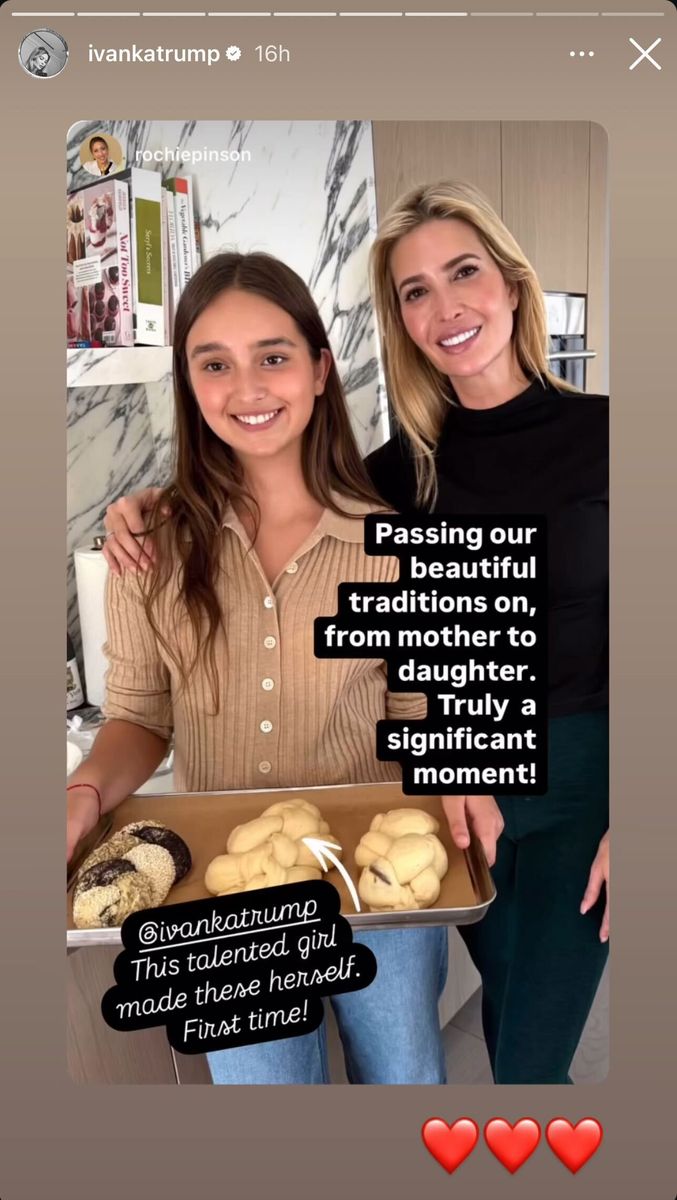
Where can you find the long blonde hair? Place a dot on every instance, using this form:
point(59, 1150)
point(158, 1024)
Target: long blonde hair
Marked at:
point(418, 392)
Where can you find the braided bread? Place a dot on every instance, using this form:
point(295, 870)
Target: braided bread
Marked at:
point(269, 851)
point(404, 862)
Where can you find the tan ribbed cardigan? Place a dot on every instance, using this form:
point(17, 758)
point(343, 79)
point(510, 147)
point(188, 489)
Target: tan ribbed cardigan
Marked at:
point(286, 719)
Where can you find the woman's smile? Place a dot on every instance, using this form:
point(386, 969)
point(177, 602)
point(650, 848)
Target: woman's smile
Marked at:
point(455, 304)
point(458, 343)
point(257, 422)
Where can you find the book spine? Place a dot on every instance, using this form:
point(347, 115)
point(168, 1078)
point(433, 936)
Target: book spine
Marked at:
point(198, 243)
point(174, 281)
point(192, 221)
point(165, 270)
point(146, 217)
point(124, 256)
point(134, 248)
point(183, 235)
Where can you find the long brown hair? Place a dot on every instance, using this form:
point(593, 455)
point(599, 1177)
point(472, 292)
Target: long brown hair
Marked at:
point(417, 390)
point(208, 475)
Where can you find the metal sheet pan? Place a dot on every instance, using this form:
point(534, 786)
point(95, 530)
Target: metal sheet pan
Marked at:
point(205, 819)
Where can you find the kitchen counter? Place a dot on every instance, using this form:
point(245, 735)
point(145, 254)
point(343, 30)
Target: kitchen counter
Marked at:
point(82, 727)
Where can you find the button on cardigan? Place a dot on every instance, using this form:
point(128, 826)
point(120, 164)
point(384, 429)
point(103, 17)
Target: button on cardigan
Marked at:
point(286, 718)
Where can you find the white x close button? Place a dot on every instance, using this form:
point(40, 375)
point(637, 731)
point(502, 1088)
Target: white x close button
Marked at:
point(645, 55)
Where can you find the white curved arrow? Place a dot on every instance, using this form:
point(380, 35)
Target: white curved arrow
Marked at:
point(323, 850)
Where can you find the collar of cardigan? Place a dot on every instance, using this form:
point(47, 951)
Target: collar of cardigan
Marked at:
point(345, 526)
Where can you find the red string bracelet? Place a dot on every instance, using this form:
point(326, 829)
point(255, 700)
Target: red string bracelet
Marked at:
point(94, 789)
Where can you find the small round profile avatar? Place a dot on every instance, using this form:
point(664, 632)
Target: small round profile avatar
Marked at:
point(101, 155)
point(43, 53)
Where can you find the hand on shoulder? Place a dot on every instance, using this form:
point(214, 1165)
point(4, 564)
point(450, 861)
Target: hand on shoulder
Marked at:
point(129, 546)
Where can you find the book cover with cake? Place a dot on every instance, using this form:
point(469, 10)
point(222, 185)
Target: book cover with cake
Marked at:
point(145, 209)
point(98, 266)
point(77, 303)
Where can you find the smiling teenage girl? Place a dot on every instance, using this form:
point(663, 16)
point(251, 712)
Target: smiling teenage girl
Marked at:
point(216, 644)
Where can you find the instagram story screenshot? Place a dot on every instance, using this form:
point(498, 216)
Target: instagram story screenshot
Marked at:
point(339, 434)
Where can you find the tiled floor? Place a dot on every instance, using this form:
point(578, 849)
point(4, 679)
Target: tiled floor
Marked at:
point(466, 1053)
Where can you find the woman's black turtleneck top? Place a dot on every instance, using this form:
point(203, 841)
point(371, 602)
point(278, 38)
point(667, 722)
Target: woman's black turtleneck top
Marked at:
point(543, 452)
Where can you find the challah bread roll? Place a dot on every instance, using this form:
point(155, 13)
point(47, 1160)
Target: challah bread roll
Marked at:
point(253, 833)
point(269, 850)
point(404, 820)
point(404, 862)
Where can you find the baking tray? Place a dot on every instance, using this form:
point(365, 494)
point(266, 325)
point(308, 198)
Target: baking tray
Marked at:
point(205, 819)
point(86, 844)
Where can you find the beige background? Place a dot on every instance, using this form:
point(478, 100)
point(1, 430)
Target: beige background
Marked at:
point(58, 1140)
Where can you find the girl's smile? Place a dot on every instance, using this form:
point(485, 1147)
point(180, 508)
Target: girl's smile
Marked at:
point(252, 374)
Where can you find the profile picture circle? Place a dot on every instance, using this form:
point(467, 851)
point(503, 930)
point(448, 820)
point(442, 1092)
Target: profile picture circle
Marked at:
point(101, 154)
point(43, 53)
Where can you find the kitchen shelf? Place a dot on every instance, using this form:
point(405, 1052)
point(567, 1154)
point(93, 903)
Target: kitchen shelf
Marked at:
point(118, 365)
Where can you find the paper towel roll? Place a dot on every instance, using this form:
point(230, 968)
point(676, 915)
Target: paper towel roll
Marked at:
point(91, 571)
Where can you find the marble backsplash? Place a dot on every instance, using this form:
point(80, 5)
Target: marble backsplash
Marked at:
point(306, 194)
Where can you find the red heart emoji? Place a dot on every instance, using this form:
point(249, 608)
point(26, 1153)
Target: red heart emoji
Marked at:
point(574, 1144)
point(450, 1144)
point(512, 1144)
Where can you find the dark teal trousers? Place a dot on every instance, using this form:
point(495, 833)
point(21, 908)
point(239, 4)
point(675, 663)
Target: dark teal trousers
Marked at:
point(539, 959)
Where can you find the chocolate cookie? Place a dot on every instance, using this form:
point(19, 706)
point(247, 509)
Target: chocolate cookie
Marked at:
point(108, 892)
point(158, 864)
point(103, 873)
point(156, 834)
point(115, 847)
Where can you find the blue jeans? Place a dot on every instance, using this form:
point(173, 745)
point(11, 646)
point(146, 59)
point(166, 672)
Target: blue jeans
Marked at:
point(390, 1030)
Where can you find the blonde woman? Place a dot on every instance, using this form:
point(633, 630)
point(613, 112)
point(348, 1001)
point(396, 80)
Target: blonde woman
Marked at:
point(484, 427)
point(38, 62)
